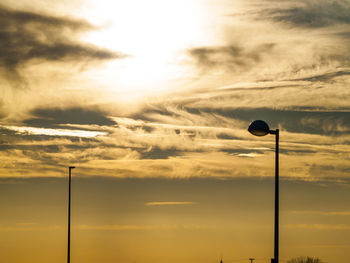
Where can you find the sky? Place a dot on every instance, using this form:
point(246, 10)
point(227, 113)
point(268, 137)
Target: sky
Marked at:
point(151, 101)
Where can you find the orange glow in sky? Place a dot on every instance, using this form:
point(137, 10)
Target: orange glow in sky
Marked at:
point(151, 101)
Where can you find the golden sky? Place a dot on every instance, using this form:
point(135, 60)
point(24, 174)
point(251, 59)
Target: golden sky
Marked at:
point(151, 100)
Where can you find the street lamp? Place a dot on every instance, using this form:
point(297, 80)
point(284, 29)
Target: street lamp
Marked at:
point(69, 194)
point(260, 128)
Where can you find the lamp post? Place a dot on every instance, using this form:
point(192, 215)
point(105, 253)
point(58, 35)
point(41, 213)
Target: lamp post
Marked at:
point(260, 128)
point(69, 194)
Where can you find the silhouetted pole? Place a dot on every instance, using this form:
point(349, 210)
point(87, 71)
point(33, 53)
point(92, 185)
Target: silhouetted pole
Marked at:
point(251, 260)
point(69, 194)
point(276, 250)
point(260, 128)
point(277, 187)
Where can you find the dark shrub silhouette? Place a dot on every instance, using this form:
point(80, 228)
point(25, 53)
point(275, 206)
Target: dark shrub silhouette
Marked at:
point(305, 260)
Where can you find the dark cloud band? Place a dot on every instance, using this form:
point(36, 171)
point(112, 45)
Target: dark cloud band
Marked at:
point(311, 14)
point(27, 36)
point(52, 118)
point(231, 57)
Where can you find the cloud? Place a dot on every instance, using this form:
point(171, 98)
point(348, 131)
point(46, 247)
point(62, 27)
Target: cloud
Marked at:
point(310, 14)
point(231, 57)
point(53, 117)
point(30, 37)
point(158, 153)
point(206, 113)
point(56, 132)
point(326, 77)
point(180, 139)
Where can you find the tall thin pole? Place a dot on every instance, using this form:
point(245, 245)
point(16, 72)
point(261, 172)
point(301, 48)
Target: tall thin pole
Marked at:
point(69, 197)
point(276, 254)
point(260, 128)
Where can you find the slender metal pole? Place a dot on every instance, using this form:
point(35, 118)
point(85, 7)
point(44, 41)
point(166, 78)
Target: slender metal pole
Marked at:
point(276, 254)
point(69, 197)
point(260, 128)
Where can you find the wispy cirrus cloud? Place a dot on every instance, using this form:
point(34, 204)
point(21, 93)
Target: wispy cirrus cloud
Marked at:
point(231, 57)
point(310, 14)
point(327, 77)
point(55, 132)
point(179, 142)
point(293, 81)
point(28, 37)
point(56, 117)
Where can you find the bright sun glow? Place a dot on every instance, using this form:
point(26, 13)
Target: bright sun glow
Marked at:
point(154, 34)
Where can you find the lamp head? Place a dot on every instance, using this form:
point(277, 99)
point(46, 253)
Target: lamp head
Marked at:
point(71, 167)
point(259, 128)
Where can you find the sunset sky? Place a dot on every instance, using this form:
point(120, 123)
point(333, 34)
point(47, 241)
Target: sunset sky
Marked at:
point(151, 101)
